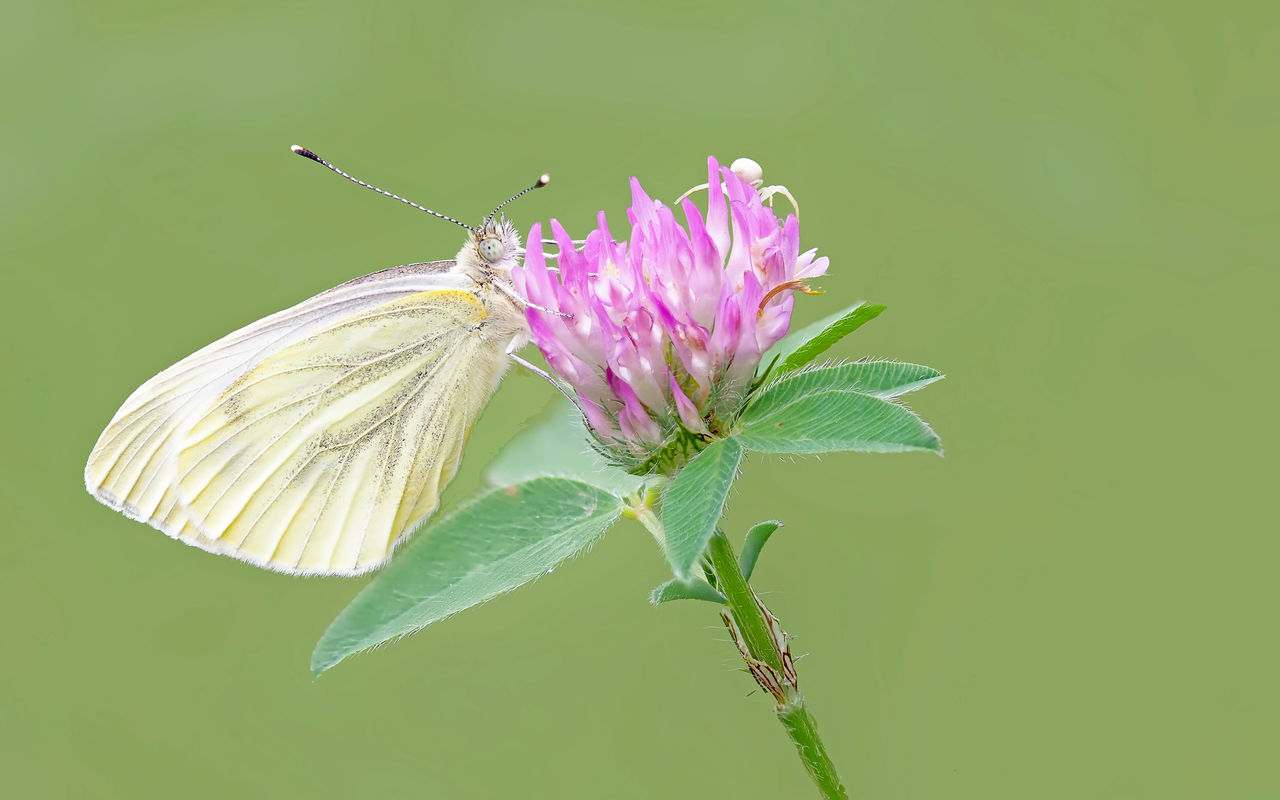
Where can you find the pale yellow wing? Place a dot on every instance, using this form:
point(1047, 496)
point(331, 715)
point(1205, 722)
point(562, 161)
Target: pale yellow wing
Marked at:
point(346, 412)
point(320, 458)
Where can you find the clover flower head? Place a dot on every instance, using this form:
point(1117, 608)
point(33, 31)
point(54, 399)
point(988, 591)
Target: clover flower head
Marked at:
point(660, 334)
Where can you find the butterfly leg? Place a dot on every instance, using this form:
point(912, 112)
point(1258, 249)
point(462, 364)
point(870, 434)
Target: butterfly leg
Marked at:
point(503, 287)
point(521, 341)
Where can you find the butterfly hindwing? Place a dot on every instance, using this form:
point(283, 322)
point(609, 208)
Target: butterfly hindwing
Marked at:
point(312, 440)
point(318, 458)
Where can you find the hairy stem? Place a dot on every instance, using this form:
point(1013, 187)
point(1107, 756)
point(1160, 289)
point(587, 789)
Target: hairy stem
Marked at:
point(763, 645)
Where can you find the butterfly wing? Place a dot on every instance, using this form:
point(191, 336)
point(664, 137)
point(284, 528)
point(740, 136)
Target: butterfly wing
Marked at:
point(312, 440)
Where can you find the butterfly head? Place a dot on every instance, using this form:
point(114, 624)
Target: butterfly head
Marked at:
point(495, 241)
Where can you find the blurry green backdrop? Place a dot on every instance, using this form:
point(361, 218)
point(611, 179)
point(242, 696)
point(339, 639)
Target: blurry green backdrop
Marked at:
point(1069, 208)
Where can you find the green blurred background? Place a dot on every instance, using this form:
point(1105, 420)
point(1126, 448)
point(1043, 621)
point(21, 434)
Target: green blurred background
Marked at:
point(1069, 208)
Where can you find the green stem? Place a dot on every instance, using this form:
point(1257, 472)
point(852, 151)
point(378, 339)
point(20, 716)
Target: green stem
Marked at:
point(762, 640)
point(795, 717)
point(752, 623)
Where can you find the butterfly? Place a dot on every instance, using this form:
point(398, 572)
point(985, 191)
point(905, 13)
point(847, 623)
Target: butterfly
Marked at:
point(314, 440)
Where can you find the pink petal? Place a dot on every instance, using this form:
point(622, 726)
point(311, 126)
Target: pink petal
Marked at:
point(688, 412)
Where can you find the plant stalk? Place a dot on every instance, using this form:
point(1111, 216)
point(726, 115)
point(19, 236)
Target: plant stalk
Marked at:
point(763, 645)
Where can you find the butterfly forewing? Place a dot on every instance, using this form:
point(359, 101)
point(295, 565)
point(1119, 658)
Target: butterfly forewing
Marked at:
point(312, 440)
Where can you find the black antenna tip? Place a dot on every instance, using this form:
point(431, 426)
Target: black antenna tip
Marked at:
point(543, 180)
point(305, 153)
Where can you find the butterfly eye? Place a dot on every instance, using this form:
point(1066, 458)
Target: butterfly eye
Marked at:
point(490, 249)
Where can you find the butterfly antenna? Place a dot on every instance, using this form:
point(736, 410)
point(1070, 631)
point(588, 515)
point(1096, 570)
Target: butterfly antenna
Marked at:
point(543, 180)
point(305, 153)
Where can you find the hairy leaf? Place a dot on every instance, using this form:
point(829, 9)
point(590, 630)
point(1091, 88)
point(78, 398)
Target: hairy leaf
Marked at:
point(789, 419)
point(693, 589)
point(879, 378)
point(751, 546)
point(694, 502)
point(802, 346)
point(490, 545)
point(557, 445)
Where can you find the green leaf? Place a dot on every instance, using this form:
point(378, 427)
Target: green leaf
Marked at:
point(795, 421)
point(800, 347)
point(490, 545)
point(879, 378)
point(751, 546)
point(558, 445)
point(694, 502)
point(693, 589)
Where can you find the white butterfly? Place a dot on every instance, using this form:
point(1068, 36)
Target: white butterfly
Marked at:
point(313, 440)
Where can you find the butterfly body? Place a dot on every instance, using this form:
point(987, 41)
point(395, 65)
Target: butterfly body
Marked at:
point(314, 440)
